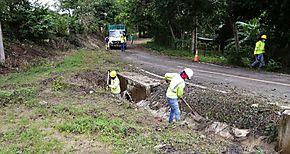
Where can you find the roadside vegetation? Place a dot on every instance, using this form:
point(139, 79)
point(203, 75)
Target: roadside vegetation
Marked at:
point(228, 28)
point(204, 56)
point(210, 56)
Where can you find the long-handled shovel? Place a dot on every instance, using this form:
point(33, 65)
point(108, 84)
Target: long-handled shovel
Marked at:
point(108, 80)
point(187, 105)
point(193, 114)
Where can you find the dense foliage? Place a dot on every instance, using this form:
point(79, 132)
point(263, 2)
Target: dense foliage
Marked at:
point(172, 22)
point(232, 26)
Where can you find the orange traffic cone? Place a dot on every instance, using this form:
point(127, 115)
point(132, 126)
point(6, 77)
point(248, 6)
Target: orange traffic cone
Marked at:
point(196, 56)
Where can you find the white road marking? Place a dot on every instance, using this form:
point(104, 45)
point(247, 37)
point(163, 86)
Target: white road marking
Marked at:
point(241, 77)
point(191, 84)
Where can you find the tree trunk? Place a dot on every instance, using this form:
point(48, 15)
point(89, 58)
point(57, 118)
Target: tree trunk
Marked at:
point(2, 54)
point(284, 133)
point(139, 31)
point(182, 40)
point(171, 30)
point(236, 35)
point(194, 36)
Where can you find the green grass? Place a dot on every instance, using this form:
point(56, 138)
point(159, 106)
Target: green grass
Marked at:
point(185, 54)
point(68, 119)
point(20, 95)
point(30, 140)
point(75, 61)
point(69, 63)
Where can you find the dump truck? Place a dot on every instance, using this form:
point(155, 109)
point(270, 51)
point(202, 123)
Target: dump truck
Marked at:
point(115, 32)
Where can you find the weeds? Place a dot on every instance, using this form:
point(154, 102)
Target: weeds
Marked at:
point(111, 130)
point(21, 95)
point(30, 140)
point(58, 84)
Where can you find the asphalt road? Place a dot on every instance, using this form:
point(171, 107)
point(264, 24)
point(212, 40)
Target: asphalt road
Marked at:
point(272, 87)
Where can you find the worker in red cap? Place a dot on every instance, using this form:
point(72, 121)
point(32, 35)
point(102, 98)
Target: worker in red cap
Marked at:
point(176, 90)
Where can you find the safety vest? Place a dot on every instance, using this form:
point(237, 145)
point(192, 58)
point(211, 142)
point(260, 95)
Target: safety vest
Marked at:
point(259, 48)
point(123, 39)
point(176, 86)
point(115, 86)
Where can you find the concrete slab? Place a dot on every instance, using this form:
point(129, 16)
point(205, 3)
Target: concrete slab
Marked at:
point(139, 86)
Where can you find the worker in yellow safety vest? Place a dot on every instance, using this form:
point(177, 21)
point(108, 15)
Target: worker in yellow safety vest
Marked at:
point(115, 83)
point(259, 52)
point(123, 42)
point(175, 91)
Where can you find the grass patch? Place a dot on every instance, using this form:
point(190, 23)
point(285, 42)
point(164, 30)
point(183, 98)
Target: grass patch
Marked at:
point(69, 63)
point(30, 140)
point(75, 61)
point(111, 130)
point(131, 131)
point(184, 53)
point(21, 95)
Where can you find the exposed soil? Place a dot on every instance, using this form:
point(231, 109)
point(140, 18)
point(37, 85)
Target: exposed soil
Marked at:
point(20, 56)
point(97, 78)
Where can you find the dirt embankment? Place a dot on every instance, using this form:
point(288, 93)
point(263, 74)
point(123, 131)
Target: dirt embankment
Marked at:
point(21, 55)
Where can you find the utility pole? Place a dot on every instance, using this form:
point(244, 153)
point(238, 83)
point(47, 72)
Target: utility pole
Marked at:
point(2, 54)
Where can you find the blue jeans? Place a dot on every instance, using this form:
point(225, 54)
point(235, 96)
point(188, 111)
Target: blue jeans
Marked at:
point(174, 110)
point(259, 58)
point(122, 46)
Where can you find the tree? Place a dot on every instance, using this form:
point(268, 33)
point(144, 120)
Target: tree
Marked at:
point(2, 54)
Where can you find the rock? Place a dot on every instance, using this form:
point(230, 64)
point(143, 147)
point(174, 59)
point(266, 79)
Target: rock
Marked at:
point(254, 105)
point(167, 148)
point(158, 128)
point(143, 104)
point(233, 149)
point(220, 129)
point(240, 132)
point(202, 136)
point(43, 103)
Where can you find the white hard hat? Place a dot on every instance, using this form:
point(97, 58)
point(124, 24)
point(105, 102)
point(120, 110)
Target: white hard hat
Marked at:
point(188, 72)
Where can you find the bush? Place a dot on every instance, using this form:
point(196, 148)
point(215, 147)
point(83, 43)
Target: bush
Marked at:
point(273, 65)
point(234, 58)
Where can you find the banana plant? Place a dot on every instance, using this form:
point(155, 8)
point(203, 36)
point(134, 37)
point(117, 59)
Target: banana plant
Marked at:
point(247, 32)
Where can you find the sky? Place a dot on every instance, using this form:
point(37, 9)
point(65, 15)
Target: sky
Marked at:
point(50, 3)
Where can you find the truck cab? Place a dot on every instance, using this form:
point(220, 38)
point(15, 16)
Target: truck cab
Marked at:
point(115, 32)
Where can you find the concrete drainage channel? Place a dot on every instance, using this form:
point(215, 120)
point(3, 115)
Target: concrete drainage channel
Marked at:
point(149, 94)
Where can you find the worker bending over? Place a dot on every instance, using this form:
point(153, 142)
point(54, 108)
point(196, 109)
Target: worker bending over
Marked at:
point(115, 83)
point(175, 91)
